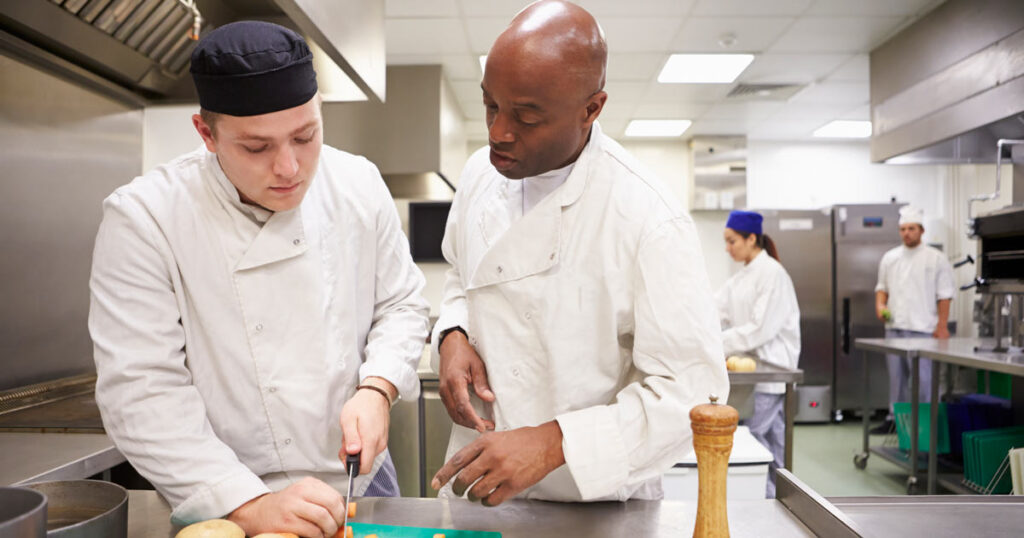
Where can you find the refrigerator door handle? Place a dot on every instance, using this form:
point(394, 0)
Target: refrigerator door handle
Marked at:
point(844, 329)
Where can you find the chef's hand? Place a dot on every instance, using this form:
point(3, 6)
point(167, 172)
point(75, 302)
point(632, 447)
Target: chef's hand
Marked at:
point(365, 419)
point(941, 332)
point(505, 463)
point(308, 507)
point(461, 367)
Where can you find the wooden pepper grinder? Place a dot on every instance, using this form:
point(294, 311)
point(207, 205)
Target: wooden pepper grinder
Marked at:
point(713, 425)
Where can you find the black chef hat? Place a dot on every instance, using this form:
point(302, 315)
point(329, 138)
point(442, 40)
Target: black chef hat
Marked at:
point(250, 67)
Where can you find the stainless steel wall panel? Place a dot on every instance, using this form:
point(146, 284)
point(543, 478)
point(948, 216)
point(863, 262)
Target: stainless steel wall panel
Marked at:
point(63, 149)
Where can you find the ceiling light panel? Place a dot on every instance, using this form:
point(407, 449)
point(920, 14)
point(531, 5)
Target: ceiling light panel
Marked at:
point(704, 68)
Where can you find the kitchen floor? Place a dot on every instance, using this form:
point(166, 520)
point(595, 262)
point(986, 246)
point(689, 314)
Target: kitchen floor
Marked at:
point(823, 458)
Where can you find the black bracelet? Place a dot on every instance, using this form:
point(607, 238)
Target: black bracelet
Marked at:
point(446, 332)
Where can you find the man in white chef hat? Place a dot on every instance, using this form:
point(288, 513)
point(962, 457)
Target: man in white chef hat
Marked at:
point(915, 287)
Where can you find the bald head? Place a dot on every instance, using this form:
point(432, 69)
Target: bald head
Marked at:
point(560, 37)
point(543, 88)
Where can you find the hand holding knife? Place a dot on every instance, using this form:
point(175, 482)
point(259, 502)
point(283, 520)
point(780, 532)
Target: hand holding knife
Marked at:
point(352, 466)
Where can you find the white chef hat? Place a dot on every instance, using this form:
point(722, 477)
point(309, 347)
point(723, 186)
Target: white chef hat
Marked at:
point(911, 215)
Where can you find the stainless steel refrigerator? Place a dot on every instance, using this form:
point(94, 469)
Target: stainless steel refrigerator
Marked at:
point(832, 256)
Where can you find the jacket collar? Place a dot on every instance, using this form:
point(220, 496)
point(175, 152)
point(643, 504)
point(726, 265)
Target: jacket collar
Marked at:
point(281, 234)
point(531, 244)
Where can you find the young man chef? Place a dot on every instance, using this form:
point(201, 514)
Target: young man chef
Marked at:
point(577, 304)
point(913, 295)
point(255, 311)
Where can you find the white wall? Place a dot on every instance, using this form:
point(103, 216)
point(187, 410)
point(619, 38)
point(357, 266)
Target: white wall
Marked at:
point(167, 132)
point(811, 175)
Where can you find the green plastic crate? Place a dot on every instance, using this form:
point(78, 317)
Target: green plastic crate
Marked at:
point(901, 412)
point(999, 384)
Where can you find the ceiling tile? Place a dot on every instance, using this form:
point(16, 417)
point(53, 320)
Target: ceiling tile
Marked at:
point(853, 70)
point(455, 66)
point(871, 7)
point(644, 8)
point(695, 93)
point(847, 93)
point(421, 8)
point(483, 32)
point(836, 34)
point(635, 66)
point(473, 110)
point(862, 113)
point(618, 109)
point(747, 8)
point(784, 129)
point(670, 111)
point(424, 36)
point(751, 34)
point(721, 127)
point(640, 34)
point(467, 90)
point(809, 111)
point(625, 91)
point(787, 68)
point(748, 110)
point(493, 8)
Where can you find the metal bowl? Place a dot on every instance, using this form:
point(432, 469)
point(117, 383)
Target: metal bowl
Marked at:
point(22, 513)
point(85, 509)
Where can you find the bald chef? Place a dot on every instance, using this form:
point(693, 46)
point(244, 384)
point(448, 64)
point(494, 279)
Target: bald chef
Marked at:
point(255, 311)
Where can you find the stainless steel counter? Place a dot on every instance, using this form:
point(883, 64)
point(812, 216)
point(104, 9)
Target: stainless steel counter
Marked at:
point(770, 373)
point(34, 457)
point(148, 517)
point(934, 516)
point(961, 351)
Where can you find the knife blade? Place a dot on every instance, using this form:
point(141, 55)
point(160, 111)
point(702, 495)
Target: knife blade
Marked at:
point(352, 466)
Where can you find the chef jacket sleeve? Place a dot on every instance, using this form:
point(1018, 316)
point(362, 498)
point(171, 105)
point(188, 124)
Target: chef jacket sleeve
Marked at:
point(722, 301)
point(767, 317)
point(944, 288)
point(677, 355)
point(883, 272)
point(150, 408)
point(394, 344)
point(453, 312)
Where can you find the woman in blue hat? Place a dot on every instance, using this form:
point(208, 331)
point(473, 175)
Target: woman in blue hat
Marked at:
point(760, 317)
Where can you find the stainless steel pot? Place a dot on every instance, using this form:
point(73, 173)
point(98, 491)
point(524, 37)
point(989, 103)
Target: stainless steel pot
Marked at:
point(85, 509)
point(22, 513)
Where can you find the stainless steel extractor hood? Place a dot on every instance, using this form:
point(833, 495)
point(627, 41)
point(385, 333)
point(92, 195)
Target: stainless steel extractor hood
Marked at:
point(138, 51)
point(948, 87)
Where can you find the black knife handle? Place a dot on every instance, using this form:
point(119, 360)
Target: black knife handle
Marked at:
point(352, 464)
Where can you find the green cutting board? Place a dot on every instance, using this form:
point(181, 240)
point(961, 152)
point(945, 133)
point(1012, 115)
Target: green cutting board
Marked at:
point(360, 530)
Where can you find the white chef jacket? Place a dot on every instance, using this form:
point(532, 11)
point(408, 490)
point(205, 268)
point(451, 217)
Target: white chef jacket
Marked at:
point(759, 314)
point(593, 308)
point(226, 346)
point(915, 279)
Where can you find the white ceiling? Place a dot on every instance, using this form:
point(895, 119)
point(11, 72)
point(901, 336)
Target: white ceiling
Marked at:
point(821, 43)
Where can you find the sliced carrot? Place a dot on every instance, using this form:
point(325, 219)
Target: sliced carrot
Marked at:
point(438, 535)
point(371, 536)
point(351, 510)
point(288, 535)
point(349, 533)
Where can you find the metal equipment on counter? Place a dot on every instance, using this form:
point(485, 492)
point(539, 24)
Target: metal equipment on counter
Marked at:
point(1001, 257)
point(84, 509)
point(22, 513)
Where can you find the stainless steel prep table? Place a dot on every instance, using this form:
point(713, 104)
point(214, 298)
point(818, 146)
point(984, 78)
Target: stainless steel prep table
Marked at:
point(148, 516)
point(906, 347)
point(961, 352)
point(798, 511)
point(770, 373)
point(35, 457)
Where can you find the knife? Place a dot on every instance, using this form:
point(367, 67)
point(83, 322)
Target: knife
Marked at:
point(352, 465)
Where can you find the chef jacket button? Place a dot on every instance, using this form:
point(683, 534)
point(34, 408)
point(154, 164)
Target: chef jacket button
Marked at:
point(552, 255)
point(259, 327)
point(528, 315)
point(288, 441)
point(500, 269)
point(273, 389)
point(296, 242)
point(515, 372)
point(472, 341)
